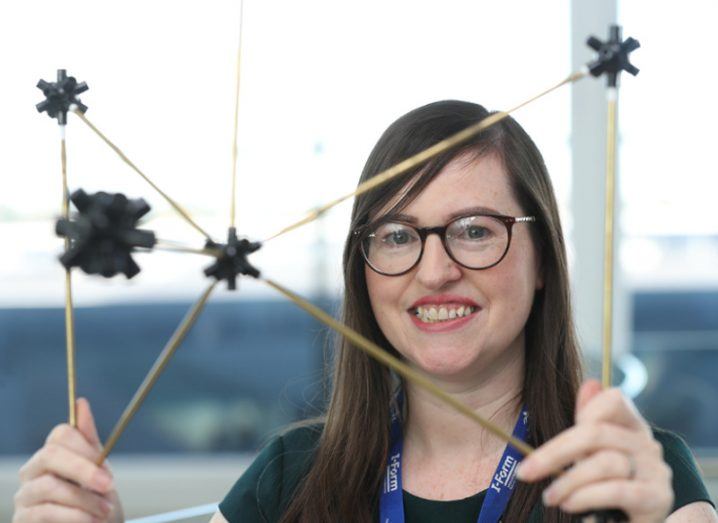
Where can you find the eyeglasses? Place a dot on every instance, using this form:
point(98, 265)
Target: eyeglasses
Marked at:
point(476, 241)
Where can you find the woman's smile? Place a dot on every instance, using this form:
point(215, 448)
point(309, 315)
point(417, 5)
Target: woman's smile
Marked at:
point(445, 325)
point(443, 312)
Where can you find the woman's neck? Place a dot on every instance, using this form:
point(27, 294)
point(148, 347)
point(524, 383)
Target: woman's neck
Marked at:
point(447, 455)
point(436, 430)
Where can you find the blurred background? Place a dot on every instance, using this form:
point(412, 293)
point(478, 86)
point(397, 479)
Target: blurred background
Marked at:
point(320, 82)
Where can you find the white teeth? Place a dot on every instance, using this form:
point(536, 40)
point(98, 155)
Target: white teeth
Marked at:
point(434, 315)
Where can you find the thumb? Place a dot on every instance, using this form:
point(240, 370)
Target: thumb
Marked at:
point(86, 423)
point(588, 390)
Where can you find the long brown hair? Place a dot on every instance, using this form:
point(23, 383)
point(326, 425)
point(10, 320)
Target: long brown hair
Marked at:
point(344, 479)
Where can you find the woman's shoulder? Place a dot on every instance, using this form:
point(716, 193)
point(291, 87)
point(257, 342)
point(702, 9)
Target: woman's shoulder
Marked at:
point(264, 490)
point(688, 485)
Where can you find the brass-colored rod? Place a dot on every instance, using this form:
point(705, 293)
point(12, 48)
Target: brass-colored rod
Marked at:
point(125, 159)
point(422, 156)
point(154, 373)
point(232, 212)
point(165, 245)
point(608, 239)
point(70, 349)
point(69, 308)
point(399, 366)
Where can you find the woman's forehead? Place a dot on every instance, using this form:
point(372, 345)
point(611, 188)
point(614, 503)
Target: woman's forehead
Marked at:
point(467, 184)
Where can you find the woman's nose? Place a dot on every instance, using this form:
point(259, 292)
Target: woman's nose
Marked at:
point(436, 268)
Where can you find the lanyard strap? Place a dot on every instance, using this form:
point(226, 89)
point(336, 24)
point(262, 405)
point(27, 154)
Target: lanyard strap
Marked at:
point(504, 481)
point(391, 502)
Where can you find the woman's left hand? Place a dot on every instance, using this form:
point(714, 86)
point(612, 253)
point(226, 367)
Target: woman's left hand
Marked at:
point(614, 460)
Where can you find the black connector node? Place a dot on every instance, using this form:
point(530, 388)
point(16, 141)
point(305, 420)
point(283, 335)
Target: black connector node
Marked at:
point(232, 260)
point(605, 516)
point(60, 96)
point(613, 55)
point(104, 234)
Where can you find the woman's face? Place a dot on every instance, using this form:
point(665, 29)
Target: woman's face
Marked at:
point(500, 297)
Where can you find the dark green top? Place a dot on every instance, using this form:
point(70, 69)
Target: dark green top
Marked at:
point(265, 489)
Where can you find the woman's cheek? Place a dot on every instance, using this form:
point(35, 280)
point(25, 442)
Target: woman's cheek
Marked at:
point(384, 296)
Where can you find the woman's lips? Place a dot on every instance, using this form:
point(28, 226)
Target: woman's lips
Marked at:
point(438, 300)
point(443, 326)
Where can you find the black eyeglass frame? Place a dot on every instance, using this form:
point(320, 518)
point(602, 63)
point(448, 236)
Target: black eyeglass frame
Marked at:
point(364, 231)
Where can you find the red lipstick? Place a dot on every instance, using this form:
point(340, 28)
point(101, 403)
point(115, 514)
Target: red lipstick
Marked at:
point(443, 299)
point(449, 301)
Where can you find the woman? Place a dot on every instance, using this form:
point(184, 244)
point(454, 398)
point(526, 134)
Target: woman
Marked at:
point(458, 268)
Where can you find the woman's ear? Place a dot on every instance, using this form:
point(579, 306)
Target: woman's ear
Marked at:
point(539, 281)
point(539, 275)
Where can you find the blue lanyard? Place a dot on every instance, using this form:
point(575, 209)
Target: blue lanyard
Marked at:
point(391, 502)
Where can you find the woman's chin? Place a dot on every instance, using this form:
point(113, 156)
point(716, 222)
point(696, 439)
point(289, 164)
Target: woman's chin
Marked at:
point(445, 366)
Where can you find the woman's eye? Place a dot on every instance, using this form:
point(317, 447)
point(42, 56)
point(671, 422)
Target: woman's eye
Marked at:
point(397, 238)
point(475, 232)
point(394, 236)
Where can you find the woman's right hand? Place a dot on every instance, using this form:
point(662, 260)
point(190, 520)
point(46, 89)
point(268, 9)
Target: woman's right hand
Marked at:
point(61, 483)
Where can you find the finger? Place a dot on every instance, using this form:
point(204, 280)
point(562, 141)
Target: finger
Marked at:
point(67, 464)
point(601, 466)
point(586, 393)
point(611, 405)
point(574, 444)
point(53, 490)
point(73, 439)
point(54, 513)
point(634, 497)
point(86, 423)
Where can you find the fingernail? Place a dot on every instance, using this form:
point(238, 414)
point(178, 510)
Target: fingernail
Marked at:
point(106, 506)
point(548, 496)
point(520, 472)
point(102, 481)
point(524, 470)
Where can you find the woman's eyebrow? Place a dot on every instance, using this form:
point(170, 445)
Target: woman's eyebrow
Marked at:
point(467, 211)
point(399, 217)
point(471, 210)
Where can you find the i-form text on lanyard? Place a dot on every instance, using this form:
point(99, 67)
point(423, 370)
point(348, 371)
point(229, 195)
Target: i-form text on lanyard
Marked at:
point(391, 502)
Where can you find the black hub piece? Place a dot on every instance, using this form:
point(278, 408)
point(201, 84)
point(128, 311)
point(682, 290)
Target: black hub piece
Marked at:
point(613, 55)
point(104, 233)
point(60, 95)
point(605, 516)
point(233, 259)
